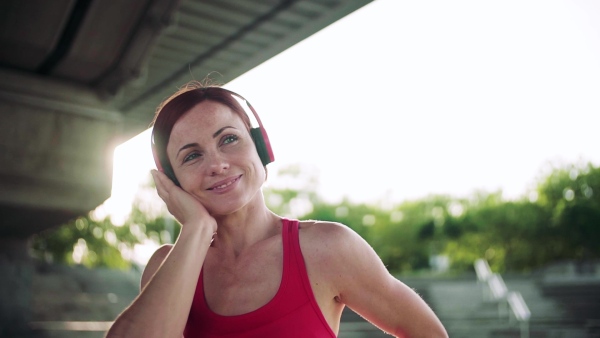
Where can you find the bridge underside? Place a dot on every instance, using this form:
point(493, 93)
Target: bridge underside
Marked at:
point(79, 77)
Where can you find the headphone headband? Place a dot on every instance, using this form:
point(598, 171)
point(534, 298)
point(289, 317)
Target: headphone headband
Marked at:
point(266, 157)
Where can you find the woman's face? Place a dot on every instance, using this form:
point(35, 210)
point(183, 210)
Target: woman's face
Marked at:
point(214, 158)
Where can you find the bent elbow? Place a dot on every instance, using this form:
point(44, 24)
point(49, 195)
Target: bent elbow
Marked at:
point(116, 330)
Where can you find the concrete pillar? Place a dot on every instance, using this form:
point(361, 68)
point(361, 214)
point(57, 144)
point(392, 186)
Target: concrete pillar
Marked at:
point(16, 273)
point(56, 146)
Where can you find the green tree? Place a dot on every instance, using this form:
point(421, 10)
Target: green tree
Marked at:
point(98, 242)
point(563, 222)
point(571, 195)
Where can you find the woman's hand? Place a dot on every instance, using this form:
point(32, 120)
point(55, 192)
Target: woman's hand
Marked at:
point(171, 276)
point(183, 206)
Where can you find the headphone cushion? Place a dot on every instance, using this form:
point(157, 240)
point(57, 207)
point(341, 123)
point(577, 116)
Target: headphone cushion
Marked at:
point(261, 145)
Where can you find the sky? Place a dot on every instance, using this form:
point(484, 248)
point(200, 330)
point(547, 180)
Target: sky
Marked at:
point(403, 99)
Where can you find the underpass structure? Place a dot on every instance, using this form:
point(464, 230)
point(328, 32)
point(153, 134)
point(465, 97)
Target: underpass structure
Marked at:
point(79, 77)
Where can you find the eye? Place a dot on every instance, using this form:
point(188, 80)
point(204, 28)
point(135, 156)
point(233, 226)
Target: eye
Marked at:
point(229, 139)
point(190, 157)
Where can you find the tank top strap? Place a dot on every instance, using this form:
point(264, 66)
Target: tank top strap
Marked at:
point(296, 268)
point(298, 274)
point(290, 227)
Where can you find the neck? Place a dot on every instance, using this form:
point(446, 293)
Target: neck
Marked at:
point(246, 227)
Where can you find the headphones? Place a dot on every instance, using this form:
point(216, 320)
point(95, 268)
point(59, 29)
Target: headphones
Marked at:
point(258, 134)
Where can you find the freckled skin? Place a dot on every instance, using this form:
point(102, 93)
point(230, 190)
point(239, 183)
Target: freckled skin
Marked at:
point(217, 160)
point(221, 175)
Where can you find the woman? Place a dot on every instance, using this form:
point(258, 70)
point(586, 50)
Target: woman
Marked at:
point(237, 269)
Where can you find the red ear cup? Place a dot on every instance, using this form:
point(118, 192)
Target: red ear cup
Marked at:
point(260, 137)
point(263, 147)
point(267, 143)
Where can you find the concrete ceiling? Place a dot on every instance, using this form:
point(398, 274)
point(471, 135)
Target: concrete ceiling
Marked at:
point(134, 53)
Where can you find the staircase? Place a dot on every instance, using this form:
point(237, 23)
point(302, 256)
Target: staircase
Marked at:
point(464, 311)
point(354, 326)
point(75, 302)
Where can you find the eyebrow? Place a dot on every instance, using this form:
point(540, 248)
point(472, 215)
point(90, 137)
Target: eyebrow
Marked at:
point(221, 130)
point(190, 145)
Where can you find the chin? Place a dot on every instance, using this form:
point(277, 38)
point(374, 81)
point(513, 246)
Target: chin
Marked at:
point(224, 209)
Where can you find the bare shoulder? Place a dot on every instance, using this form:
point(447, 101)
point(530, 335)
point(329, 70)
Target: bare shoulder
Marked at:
point(331, 244)
point(328, 235)
point(338, 257)
point(341, 263)
point(154, 263)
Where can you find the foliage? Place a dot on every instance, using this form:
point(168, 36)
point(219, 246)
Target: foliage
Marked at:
point(86, 241)
point(563, 222)
point(95, 242)
point(571, 197)
point(559, 220)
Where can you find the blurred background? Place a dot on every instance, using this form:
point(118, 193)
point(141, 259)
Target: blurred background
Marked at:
point(443, 133)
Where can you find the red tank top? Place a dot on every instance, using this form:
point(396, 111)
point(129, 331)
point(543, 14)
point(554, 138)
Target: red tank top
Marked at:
point(292, 313)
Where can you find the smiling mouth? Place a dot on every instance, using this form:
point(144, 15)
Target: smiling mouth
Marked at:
point(225, 185)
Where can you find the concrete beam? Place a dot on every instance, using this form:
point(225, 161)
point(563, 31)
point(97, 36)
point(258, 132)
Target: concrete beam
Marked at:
point(56, 146)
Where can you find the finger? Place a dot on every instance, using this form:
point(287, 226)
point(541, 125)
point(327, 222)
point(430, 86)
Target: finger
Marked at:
point(160, 184)
point(166, 182)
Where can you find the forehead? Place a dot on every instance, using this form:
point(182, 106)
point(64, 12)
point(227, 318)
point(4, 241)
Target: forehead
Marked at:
point(203, 120)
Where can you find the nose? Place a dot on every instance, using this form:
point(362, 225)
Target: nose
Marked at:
point(217, 164)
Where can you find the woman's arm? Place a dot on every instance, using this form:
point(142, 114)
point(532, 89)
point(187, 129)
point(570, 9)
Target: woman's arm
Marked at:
point(363, 283)
point(170, 278)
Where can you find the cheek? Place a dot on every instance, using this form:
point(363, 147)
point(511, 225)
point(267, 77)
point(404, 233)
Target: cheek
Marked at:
point(262, 173)
point(186, 184)
point(187, 179)
point(250, 155)
point(254, 166)
point(258, 165)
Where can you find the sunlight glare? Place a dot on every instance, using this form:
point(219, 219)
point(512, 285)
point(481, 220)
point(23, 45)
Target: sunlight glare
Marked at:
point(132, 163)
point(450, 99)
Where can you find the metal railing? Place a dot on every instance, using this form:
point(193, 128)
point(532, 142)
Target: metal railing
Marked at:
point(495, 290)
